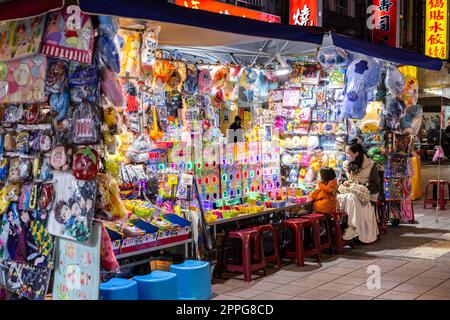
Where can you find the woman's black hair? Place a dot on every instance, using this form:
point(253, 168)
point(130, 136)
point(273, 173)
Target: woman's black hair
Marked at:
point(356, 164)
point(327, 174)
point(58, 211)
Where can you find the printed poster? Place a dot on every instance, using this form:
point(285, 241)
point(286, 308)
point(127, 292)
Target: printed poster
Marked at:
point(20, 38)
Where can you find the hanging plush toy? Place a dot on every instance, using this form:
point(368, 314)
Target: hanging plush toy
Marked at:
point(395, 82)
point(109, 53)
point(362, 74)
point(411, 92)
point(162, 71)
point(204, 81)
point(395, 107)
point(333, 58)
point(411, 120)
point(149, 45)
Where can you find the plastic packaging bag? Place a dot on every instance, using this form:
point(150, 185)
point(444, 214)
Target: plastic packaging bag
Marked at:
point(109, 52)
point(111, 88)
point(85, 123)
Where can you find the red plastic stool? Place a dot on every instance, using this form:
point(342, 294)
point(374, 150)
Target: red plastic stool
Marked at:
point(298, 225)
point(248, 266)
point(317, 219)
point(335, 219)
point(442, 201)
point(275, 258)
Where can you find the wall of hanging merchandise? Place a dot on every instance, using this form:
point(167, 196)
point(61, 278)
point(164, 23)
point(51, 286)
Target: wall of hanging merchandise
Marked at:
point(313, 129)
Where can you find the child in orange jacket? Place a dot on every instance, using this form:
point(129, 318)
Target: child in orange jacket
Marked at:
point(324, 197)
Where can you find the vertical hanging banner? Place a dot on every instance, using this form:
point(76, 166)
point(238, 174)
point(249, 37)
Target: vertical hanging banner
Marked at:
point(304, 13)
point(436, 28)
point(383, 22)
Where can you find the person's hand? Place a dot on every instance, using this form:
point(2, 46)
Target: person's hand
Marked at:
point(346, 183)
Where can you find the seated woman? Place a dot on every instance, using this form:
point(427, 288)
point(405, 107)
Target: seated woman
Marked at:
point(362, 219)
point(324, 197)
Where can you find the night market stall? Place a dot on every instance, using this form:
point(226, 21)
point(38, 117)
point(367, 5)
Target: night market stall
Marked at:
point(127, 129)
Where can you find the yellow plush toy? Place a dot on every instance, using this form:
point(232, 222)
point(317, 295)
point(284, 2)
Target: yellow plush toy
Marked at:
point(315, 163)
point(332, 162)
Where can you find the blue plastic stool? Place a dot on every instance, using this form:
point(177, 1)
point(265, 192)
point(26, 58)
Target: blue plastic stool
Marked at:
point(158, 285)
point(194, 280)
point(119, 289)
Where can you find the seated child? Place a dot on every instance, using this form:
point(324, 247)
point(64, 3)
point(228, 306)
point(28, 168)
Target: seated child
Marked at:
point(324, 197)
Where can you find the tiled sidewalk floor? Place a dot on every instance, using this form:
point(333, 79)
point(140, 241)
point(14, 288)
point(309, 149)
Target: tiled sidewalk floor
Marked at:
point(414, 261)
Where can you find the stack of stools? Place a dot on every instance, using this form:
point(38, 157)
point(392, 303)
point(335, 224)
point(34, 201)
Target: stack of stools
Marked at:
point(119, 289)
point(158, 285)
point(251, 261)
point(275, 257)
point(334, 220)
point(441, 201)
point(298, 225)
point(193, 279)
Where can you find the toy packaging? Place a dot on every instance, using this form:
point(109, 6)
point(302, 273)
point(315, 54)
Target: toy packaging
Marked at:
point(69, 34)
point(73, 210)
point(27, 281)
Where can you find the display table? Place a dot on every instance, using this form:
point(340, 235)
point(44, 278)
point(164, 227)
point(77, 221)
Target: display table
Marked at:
point(299, 209)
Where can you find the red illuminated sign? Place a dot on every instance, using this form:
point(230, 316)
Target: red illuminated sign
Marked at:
point(225, 8)
point(383, 22)
point(303, 12)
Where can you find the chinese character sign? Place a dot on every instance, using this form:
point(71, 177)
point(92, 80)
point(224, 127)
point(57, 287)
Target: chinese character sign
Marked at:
point(436, 28)
point(383, 22)
point(303, 12)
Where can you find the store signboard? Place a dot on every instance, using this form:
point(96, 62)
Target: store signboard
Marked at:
point(383, 22)
point(304, 13)
point(229, 9)
point(436, 35)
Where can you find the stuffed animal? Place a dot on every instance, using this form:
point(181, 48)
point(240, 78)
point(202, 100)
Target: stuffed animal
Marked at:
point(333, 58)
point(411, 120)
point(362, 74)
point(395, 108)
point(411, 92)
point(395, 82)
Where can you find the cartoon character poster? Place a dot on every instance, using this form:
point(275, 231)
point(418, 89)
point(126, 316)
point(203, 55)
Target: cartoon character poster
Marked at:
point(73, 209)
point(20, 38)
point(26, 238)
point(27, 281)
point(23, 80)
point(77, 268)
point(69, 34)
